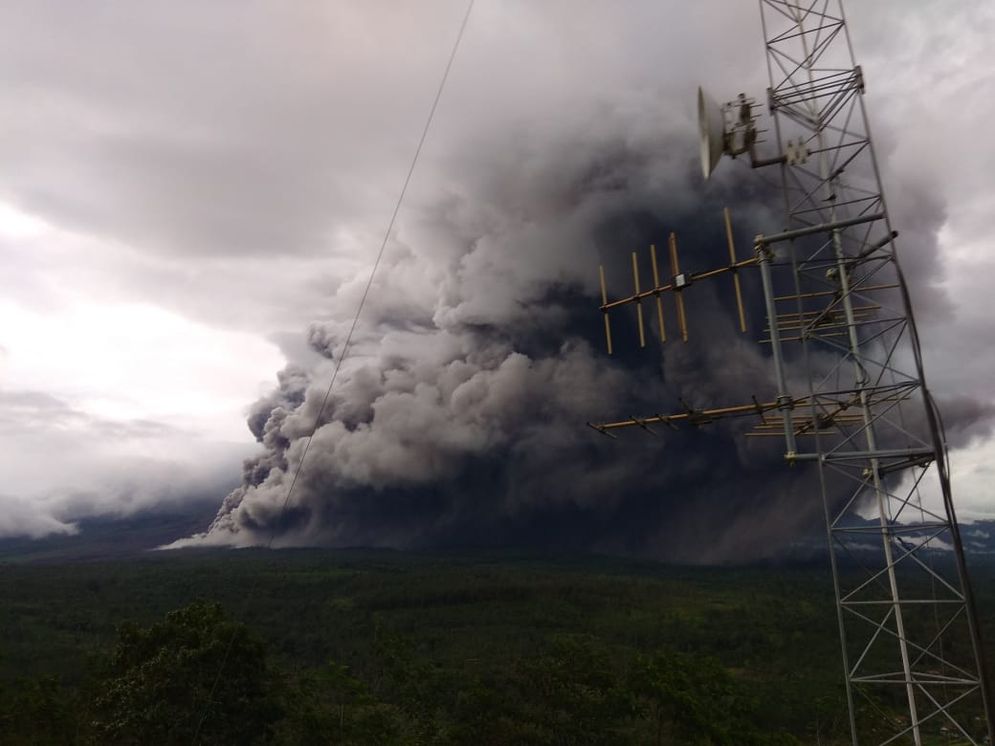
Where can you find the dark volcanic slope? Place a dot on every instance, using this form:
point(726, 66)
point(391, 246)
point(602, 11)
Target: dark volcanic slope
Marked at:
point(119, 538)
point(106, 538)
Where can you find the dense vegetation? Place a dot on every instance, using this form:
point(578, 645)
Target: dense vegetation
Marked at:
point(378, 647)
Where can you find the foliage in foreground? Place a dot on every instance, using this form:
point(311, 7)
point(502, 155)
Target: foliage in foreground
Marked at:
point(161, 683)
point(369, 647)
point(198, 677)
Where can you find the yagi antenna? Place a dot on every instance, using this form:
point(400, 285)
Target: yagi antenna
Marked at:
point(679, 282)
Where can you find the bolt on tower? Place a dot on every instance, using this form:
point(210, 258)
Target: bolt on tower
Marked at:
point(850, 397)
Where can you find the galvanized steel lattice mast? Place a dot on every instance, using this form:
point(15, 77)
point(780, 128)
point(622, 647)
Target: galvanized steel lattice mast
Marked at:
point(851, 396)
point(906, 621)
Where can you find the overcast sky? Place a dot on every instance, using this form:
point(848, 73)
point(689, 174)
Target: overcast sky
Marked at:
point(187, 187)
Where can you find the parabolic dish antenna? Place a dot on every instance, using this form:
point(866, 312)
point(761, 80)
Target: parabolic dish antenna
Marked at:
point(711, 126)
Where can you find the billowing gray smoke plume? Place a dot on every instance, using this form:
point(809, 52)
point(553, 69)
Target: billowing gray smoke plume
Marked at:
point(458, 417)
point(232, 166)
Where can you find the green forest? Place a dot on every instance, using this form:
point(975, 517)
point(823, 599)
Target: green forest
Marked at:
point(370, 647)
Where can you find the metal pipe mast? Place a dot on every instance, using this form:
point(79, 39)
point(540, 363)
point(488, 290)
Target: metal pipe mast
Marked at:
point(908, 626)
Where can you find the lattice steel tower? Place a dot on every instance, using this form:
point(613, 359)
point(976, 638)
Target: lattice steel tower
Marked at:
point(851, 399)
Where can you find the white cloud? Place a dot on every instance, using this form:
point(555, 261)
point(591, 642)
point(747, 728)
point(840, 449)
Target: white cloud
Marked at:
point(972, 474)
point(135, 361)
point(106, 395)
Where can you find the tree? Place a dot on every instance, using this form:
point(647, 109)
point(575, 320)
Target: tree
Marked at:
point(36, 711)
point(575, 693)
point(694, 700)
point(195, 677)
point(331, 706)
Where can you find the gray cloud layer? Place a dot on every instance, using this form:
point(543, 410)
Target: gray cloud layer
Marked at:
point(237, 163)
point(444, 430)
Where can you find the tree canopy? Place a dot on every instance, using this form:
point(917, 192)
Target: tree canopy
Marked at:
point(195, 677)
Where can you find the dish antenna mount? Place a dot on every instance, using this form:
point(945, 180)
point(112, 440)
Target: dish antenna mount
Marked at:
point(731, 129)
